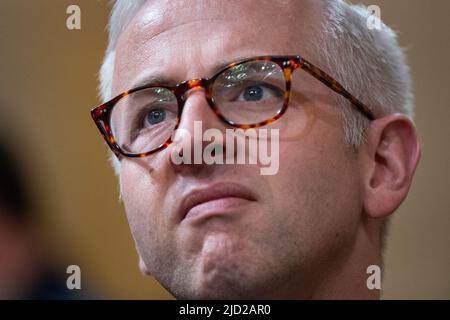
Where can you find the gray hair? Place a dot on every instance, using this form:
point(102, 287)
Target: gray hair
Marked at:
point(368, 62)
point(122, 13)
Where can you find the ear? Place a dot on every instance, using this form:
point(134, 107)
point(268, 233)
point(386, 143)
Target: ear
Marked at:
point(392, 153)
point(143, 267)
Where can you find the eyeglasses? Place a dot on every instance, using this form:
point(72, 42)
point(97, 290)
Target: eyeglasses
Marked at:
point(246, 94)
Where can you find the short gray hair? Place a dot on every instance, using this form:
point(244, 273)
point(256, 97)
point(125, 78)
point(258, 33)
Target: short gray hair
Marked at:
point(122, 13)
point(368, 62)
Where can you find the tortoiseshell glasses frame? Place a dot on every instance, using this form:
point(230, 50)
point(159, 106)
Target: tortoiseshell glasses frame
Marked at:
point(288, 64)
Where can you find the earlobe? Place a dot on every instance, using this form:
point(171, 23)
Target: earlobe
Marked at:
point(392, 152)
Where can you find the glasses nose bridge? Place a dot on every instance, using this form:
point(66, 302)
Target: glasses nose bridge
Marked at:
point(193, 84)
point(199, 83)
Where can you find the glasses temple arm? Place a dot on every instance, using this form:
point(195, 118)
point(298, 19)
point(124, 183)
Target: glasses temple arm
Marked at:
point(323, 77)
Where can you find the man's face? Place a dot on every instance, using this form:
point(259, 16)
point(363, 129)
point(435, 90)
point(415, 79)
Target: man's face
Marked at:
point(291, 225)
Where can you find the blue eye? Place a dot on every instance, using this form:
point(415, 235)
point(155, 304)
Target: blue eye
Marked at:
point(253, 93)
point(156, 116)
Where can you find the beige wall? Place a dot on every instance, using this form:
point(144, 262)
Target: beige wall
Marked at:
point(48, 85)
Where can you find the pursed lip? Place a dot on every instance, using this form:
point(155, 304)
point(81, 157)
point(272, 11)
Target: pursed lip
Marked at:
point(225, 191)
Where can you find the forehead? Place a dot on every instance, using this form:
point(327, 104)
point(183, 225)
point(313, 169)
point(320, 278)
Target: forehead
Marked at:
point(189, 39)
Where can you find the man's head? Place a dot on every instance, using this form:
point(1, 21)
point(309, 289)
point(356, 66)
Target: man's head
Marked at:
point(312, 229)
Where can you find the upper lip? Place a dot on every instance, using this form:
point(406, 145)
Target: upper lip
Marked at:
point(212, 192)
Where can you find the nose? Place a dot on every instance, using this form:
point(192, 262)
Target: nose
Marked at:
point(196, 108)
point(197, 116)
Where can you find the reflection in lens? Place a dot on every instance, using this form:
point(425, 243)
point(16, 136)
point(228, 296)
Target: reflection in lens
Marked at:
point(144, 120)
point(250, 92)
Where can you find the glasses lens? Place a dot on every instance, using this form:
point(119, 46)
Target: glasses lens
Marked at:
point(144, 120)
point(251, 92)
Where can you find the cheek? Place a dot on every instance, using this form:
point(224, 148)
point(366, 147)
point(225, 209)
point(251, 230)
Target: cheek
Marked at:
point(318, 188)
point(141, 198)
point(143, 193)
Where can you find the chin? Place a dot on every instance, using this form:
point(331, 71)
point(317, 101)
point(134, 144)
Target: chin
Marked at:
point(225, 290)
point(227, 278)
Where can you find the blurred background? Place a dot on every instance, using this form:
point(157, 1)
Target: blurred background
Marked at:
point(48, 84)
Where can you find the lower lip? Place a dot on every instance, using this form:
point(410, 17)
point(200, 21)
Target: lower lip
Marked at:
point(217, 207)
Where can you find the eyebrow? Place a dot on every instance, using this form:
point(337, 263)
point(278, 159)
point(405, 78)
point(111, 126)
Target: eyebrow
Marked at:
point(163, 80)
point(154, 79)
